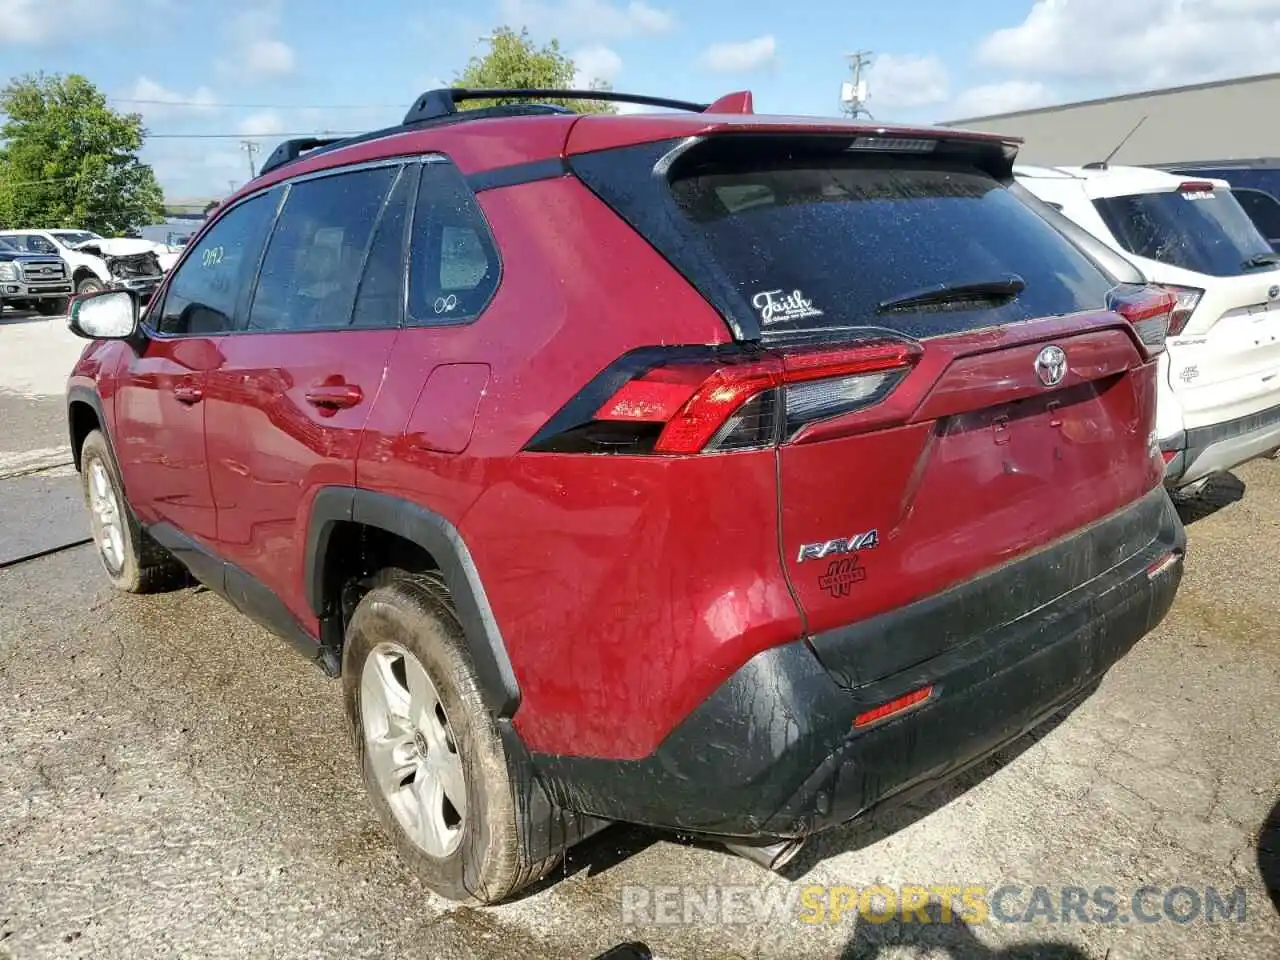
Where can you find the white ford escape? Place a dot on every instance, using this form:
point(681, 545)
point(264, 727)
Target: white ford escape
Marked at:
point(1219, 402)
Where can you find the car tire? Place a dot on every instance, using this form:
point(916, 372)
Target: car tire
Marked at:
point(51, 308)
point(409, 618)
point(89, 285)
point(133, 561)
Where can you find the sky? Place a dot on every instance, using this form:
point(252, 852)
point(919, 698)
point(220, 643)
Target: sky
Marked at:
point(260, 68)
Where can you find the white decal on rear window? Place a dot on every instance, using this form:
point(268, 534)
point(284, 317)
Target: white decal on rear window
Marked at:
point(774, 307)
point(1198, 194)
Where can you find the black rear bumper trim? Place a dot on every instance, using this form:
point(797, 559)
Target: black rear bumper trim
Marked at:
point(773, 752)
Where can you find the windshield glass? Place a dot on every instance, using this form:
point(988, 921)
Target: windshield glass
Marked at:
point(70, 238)
point(7, 246)
point(1205, 231)
point(823, 245)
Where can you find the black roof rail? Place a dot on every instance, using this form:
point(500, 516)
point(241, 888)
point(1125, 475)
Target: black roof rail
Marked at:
point(441, 107)
point(291, 150)
point(444, 102)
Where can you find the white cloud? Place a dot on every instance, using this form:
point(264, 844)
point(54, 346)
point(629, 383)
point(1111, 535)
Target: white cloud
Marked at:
point(255, 53)
point(597, 64)
point(1007, 97)
point(1139, 43)
point(163, 102)
point(903, 82)
point(262, 123)
point(754, 54)
point(35, 22)
point(587, 19)
point(268, 58)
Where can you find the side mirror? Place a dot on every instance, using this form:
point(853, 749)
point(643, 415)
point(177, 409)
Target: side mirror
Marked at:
point(107, 315)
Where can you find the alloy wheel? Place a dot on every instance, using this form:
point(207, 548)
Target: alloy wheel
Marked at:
point(411, 749)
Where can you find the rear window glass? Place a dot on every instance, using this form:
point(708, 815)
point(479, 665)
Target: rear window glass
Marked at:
point(1264, 210)
point(822, 244)
point(1205, 231)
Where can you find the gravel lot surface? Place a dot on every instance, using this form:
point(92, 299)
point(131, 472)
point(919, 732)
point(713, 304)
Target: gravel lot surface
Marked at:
point(174, 781)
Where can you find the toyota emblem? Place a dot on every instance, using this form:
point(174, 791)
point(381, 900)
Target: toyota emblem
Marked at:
point(1274, 292)
point(1051, 365)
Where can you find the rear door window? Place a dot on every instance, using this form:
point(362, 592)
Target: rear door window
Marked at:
point(1202, 230)
point(317, 252)
point(822, 245)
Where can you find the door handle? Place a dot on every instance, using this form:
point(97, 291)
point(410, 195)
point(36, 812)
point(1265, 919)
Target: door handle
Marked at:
point(188, 393)
point(334, 396)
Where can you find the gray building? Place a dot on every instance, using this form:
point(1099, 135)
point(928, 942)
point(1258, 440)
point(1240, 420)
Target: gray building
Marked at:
point(1225, 120)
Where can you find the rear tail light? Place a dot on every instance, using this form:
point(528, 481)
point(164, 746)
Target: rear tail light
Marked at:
point(727, 401)
point(1188, 298)
point(1148, 309)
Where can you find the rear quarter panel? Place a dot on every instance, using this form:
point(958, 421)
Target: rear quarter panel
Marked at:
point(625, 588)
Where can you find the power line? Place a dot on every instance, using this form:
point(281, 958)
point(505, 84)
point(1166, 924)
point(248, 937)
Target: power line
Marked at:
point(262, 136)
point(209, 104)
point(32, 183)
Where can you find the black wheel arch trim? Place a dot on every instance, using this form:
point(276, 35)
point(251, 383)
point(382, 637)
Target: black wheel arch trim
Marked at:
point(441, 539)
point(89, 397)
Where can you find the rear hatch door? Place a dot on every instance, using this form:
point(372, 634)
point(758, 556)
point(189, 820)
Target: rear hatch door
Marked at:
point(1025, 413)
point(1224, 351)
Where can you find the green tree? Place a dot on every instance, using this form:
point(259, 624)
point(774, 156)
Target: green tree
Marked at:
point(69, 160)
point(514, 62)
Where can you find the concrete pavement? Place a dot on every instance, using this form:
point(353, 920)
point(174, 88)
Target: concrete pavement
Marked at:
point(174, 781)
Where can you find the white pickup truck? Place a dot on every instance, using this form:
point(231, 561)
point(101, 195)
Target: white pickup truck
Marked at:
point(99, 263)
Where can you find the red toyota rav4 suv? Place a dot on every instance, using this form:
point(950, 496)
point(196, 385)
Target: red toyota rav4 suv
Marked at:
point(718, 472)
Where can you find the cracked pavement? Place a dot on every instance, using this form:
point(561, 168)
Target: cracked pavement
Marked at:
point(175, 781)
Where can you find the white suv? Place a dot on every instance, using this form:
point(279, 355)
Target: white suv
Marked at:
point(1219, 402)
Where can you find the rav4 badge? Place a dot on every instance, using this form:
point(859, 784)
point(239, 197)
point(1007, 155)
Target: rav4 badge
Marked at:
point(839, 547)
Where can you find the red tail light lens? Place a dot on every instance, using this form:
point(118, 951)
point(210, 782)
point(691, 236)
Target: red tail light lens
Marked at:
point(1188, 298)
point(733, 402)
point(1148, 308)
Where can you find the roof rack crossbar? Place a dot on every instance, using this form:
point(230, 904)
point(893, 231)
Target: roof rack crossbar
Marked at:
point(442, 103)
point(291, 150)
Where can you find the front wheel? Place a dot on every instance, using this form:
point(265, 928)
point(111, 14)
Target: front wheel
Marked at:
point(89, 285)
point(51, 308)
point(429, 751)
point(133, 561)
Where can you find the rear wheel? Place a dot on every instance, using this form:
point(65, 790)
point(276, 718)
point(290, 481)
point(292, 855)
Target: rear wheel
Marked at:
point(429, 751)
point(134, 562)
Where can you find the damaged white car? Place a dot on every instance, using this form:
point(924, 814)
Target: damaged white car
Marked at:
point(100, 263)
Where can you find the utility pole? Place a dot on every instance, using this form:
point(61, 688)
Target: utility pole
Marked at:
point(251, 147)
point(853, 92)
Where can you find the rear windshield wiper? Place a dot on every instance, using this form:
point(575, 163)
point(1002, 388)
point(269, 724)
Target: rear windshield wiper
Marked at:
point(1262, 260)
point(1005, 288)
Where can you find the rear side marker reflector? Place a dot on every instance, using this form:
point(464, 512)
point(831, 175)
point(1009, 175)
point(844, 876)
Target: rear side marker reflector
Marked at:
point(1164, 563)
point(895, 706)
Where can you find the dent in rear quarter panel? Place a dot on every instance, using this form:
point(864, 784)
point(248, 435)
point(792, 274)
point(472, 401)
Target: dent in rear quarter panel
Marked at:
point(626, 588)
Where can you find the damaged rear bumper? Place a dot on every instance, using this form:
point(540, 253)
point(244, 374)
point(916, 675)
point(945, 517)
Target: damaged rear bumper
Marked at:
point(775, 752)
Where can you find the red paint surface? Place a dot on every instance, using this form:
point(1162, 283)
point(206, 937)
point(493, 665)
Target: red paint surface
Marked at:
point(626, 588)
